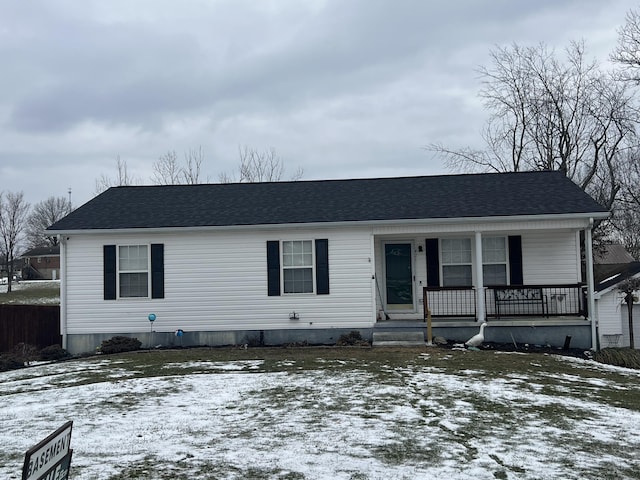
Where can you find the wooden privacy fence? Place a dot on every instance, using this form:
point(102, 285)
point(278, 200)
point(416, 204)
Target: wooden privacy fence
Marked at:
point(37, 325)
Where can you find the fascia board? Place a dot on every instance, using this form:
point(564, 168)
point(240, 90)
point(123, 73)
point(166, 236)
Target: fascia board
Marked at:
point(364, 223)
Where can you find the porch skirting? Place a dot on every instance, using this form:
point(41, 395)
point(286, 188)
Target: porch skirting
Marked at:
point(534, 333)
point(542, 331)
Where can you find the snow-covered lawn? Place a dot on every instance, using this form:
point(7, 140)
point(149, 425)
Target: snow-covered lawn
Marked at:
point(328, 414)
point(33, 292)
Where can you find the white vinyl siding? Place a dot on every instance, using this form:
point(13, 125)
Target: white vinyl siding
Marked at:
point(550, 258)
point(217, 280)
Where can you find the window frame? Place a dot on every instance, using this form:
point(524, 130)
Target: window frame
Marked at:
point(444, 264)
point(120, 272)
point(310, 267)
point(505, 262)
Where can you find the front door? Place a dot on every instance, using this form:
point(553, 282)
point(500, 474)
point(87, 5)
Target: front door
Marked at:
point(398, 276)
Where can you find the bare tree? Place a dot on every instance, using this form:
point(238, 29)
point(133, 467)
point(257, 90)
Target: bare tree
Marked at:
point(259, 166)
point(168, 171)
point(191, 171)
point(123, 178)
point(13, 218)
point(43, 215)
point(626, 212)
point(628, 287)
point(552, 113)
point(627, 51)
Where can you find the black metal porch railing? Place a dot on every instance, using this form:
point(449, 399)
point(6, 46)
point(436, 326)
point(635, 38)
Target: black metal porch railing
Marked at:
point(507, 301)
point(455, 302)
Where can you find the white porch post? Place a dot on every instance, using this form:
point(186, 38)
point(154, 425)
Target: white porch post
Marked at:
point(480, 312)
point(591, 304)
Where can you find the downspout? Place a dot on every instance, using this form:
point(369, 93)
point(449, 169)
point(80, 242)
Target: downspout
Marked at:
point(63, 289)
point(591, 304)
point(480, 311)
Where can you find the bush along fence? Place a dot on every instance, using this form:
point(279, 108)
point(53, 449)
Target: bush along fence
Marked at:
point(37, 325)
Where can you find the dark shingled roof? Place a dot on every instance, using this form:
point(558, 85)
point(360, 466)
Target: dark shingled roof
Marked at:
point(378, 199)
point(624, 272)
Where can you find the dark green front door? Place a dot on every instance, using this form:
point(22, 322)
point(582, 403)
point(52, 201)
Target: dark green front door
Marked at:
point(398, 276)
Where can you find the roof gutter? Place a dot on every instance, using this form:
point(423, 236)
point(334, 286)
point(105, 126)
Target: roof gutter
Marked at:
point(587, 217)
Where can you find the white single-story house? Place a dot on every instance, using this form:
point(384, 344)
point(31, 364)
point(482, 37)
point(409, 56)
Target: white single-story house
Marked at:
point(285, 262)
point(612, 311)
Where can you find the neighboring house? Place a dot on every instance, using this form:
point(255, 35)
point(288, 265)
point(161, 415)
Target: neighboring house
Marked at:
point(612, 311)
point(41, 263)
point(275, 263)
point(4, 274)
point(610, 260)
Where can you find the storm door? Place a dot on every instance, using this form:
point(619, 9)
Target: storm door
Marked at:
point(399, 276)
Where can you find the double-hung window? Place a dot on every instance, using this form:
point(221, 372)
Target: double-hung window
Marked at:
point(297, 266)
point(494, 260)
point(133, 271)
point(456, 262)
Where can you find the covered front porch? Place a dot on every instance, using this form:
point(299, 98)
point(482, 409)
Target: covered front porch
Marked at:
point(527, 281)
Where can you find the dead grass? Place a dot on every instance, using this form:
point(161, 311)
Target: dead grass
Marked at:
point(620, 357)
point(370, 385)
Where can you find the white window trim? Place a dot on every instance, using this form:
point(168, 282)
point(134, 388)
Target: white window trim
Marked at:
point(147, 271)
point(474, 256)
point(312, 267)
point(470, 264)
point(506, 257)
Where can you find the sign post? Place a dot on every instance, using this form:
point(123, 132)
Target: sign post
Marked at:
point(152, 318)
point(51, 458)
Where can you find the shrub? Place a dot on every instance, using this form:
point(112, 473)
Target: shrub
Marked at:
point(119, 344)
point(8, 361)
point(53, 352)
point(25, 353)
point(352, 338)
point(621, 357)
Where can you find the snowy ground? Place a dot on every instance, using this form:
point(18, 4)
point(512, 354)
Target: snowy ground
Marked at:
point(34, 292)
point(328, 414)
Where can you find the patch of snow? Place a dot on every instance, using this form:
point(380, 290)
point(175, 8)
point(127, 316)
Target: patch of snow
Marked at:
point(346, 423)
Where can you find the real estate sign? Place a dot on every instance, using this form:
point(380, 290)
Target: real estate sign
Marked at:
point(50, 459)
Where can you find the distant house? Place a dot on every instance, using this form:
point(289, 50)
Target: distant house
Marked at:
point(275, 263)
point(610, 260)
point(40, 263)
point(612, 311)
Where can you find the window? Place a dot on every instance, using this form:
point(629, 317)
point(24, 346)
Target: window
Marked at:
point(494, 260)
point(297, 266)
point(456, 262)
point(449, 261)
point(133, 271)
point(129, 269)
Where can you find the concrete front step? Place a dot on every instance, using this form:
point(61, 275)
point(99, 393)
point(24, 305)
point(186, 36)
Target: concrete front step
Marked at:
point(398, 339)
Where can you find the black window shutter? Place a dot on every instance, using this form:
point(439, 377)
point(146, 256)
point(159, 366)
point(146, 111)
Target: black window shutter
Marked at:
point(322, 266)
point(273, 268)
point(109, 266)
point(515, 260)
point(433, 262)
point(157, 270)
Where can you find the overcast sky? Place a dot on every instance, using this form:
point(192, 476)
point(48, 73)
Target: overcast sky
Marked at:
point(341, 88)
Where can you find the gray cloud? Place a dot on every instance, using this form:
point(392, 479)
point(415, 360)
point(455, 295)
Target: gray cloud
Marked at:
point(341, 88)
